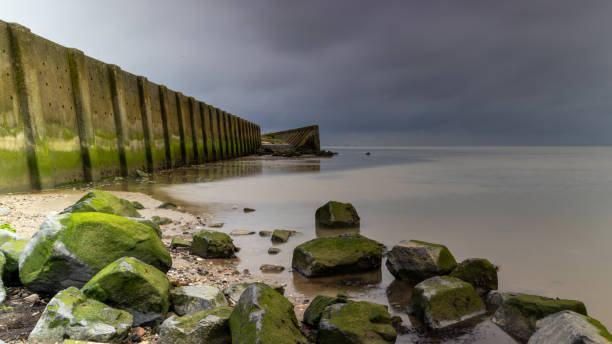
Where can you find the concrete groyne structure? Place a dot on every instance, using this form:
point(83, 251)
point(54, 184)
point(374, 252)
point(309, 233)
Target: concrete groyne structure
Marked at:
point(300, 138)
point(66, 117)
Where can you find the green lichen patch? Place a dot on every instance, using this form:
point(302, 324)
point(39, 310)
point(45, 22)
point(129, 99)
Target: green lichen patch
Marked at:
point(315, 309)
point(103, 202)
point(262, 315)
point(479, 272)
point(134, 286)
point(356, 322)
point(337, 215)
point(347, 253)
point(444, 301)
point(213, 244)
point(603, 331)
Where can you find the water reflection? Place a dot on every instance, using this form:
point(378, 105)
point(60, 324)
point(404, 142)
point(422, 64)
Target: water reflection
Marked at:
point(323, 232)
point(331, 284)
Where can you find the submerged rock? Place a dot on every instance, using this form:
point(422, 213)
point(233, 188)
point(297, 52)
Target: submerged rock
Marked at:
point(518, 313)
point(356, 322)
point(479, 272)
point(191, 299)
point(567, 327)
point(69, 249)
point(262, 315)
point(337, 215)
point(444, 301)
point(72, 315)
point(271, 268)
point(273, 250)
point(347, 253)
point(179, 243)
point(315, 309)
point(212, 244)
point(12, 251)
point(265, 233)
point(210, 326)
point(137, 205)
point(103, 202)
point(237, 232)
point(168, 205)
point(281, 235)
point(133, 286)
point(416, 261)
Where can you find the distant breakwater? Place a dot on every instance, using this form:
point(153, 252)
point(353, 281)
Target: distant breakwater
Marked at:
point(66, 117)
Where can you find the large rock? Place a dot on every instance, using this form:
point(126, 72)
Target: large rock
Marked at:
point(191, 299)
point(416, 261)
point(337, 215)
point(103, 202)
point(356, 323)
point(315, 309)
point(133, 286)
point(72, 315)
point(234, 291)
point(68, 250)
point(519, 313)
point(444, 301)
point(567, 327)
point(479, 272)
point(210, 326)
point(12, 251)
point(264, 316)
point(213, 244)
point(347, 253)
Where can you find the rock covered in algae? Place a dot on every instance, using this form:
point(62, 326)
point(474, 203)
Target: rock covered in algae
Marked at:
point(6, 236)
point(356, 323)
point(262, 315)
point(315, 309)
point(213, 244)
point(209, 326)
point(103, 202)
point(281, 235)
point(416, 261)
point(72, 315)
point(347, 253)
point(519, 313)
point(337, 215)
point(12, 250)
point(478, 272)
point(445, 301)
point(567, 327)
point(69, 249)
point(136, 287)
point(191, 299)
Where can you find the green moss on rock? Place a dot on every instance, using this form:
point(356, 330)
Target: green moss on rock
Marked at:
point(315, 309)
point(281, 235)
point(416, 260)
point(179, 243)
point(479, 272)
point(134, 286)
point(69, 249)
point(262, 315)
point(209, 326)
point(347, 253)
point(337, 215)
point(103, 202)
point(356, 323)
point(519, 313)
point(212, 244)
point(191, 299)
point(444, 301)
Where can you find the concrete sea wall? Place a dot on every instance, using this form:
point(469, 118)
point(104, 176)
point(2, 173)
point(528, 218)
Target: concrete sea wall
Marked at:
point(66, 117)
point(305, 137)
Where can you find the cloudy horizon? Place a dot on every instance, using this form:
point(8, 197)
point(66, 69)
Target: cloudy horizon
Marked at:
point(402, 73)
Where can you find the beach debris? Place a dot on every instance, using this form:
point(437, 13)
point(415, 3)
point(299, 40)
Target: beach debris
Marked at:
point(209, 326)
point(337, 215)
point(212, 244)
point(347, 253)
point(416, 261)
point(103, 202)
point(191, 299)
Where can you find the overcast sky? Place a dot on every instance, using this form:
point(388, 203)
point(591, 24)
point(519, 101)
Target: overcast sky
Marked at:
point(520, 72)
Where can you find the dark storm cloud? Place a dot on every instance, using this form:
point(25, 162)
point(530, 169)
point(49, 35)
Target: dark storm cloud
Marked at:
point(390, 72)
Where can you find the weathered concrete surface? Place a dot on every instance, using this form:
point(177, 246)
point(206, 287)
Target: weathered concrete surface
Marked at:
point(305, 138)
point(66, 117)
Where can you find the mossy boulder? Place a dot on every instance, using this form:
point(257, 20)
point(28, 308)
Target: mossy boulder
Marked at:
point(210, 326)
point(567, 327)
point(356, 323)
point(262, 315)
point(191, 299)
point(103, 202)
point(69, 249)
point(444, 301)
point(212, 244)
point(479, 272)
point(315, 309)
point(71, 315)
point(347, 253)
point(12, 251)
point(234, 291)
point(281, 235)
point(136, 287)
point(179, 243)
point(415, 261)
point(519, 313)
point(337, 215)
point(6, 236)
point(160, 221)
